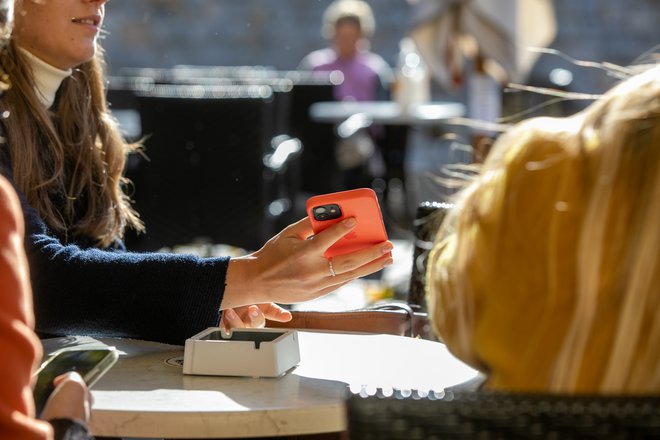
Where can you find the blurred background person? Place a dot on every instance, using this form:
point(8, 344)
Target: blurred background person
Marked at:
point(365, 76)
point(360, 75)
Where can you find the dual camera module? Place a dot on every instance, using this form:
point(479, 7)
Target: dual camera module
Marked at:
point(326, 212)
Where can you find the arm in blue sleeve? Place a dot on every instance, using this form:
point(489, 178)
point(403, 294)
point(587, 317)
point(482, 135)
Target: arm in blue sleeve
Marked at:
point(154, 296)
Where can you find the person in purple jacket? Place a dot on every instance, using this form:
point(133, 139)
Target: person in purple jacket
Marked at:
point(361, 75)
point(348, 25)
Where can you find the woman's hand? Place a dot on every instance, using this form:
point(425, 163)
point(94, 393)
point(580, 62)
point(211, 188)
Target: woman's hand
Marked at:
point(253, 316)
point(291, 268)
point(70, 399)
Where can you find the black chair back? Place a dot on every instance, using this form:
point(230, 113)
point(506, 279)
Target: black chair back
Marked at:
point(204, 177)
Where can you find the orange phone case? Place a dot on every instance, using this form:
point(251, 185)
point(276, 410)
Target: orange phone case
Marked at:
point(362, 204)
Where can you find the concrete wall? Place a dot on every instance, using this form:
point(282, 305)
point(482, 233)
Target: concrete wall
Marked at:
point(278, 33)
point(603, 30)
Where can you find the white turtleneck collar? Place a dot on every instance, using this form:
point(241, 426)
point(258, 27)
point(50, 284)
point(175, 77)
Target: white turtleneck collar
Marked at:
point(47, 78)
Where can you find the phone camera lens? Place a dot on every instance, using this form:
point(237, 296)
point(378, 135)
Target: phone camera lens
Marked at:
point(326, 212)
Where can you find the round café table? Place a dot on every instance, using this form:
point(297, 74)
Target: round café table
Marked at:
point(146, 394)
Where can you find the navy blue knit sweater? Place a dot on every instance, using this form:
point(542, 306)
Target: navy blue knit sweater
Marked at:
point(81, 290)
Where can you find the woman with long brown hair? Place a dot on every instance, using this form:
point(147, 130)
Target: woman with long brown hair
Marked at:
point(546, 275)
point(66, 156)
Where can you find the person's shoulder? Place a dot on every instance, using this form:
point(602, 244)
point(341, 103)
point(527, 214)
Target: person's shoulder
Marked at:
point(377, 63)
point(373, 57)
point(318, 58)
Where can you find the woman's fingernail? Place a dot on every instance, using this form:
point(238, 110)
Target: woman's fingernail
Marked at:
point(389, 261)
point(349, 222)
point(230, 314)
point(254, 313)
point(387, 248)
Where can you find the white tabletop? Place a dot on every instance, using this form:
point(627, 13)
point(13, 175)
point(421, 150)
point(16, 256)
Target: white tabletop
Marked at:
point(144, 395)
point(387, 112)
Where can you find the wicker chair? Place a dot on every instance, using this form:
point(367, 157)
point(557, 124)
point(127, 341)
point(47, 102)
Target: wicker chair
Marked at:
point(486, 415)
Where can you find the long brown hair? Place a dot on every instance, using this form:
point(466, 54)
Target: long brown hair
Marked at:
point(69, 160)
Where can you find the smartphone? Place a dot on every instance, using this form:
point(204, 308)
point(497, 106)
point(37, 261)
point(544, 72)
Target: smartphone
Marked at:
point(90, 363)
point(328, 209)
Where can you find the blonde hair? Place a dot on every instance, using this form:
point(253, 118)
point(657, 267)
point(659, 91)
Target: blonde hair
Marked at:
point(341, 9)
point(546, 273)
point(68, 160)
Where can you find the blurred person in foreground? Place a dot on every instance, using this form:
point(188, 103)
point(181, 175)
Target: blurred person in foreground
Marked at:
point(65, 154)
point(67, 411)
point(546, 274)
